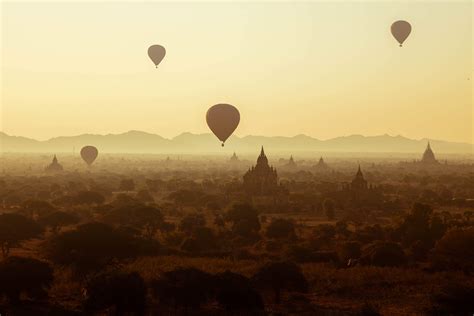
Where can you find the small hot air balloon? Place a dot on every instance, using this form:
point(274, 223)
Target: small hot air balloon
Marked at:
point(156, 54)
point(89, 154)
point(222, 119)
point(400, 30)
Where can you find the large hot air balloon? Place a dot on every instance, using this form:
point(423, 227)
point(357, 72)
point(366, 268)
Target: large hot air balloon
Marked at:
point(156, 53)
point(222, 119)
point(89, 154)
point(400, 30)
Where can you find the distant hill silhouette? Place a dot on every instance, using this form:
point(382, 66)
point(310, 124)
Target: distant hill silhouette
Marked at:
point(141, 142)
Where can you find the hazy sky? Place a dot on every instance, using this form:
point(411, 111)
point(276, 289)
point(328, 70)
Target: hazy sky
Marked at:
point(322, 69)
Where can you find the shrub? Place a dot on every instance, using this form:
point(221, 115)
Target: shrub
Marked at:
point(383, 254)
point(126, 292)
point(186, 288)
point(24, 275)
point(280, 228)
point(278, 276)
point(455, 250)
point(235, 293)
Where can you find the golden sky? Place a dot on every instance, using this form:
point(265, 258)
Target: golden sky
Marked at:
point(324, 69)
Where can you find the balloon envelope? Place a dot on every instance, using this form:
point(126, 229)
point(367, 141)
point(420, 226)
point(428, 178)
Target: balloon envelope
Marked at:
point(401, 30)
point(89, 154)
point(222, 119)
point(156, 53)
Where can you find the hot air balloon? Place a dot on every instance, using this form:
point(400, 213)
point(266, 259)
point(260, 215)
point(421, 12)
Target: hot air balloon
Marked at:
point(400, 30)
point(89, 154)
point(222, 119)
point(156, 54)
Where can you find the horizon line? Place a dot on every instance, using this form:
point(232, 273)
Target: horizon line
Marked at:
point(428, 139)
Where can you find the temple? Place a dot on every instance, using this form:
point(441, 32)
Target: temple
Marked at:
point(234, 158)
point(291, 163)
point(321, 165)
point(54, 166)
point(359, 183)
point(428, 156)
point(261, 179)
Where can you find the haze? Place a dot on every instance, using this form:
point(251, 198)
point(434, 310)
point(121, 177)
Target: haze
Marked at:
point(322, 69)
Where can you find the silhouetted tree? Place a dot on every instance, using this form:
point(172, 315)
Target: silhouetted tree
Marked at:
point(455, 250)
point(127, 185)
point(185, 288)
point(146, 218)
point(234, 292)
point(349, 250)
point(15, 228)
point(281, 228)
point(58, 219)
point(125, 292)
point(329, 208)
point(145, 196)
point(190, 222)
point(383, 254)
point(453, 298)
point(24, 275)
point(278, 276)
point(244, 219)
point(89, 198)
point(90, 247)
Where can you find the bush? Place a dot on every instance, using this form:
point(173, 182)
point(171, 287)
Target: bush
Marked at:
point(280, 228)
point(183, 288)
point(349, 250)
point(453, 299)
point(455, 250)
point(383, 254)
point(15, 228)
point(24, 275)
point(126, 292)
point(235, 293)
point(278, 276)
point(90, 247)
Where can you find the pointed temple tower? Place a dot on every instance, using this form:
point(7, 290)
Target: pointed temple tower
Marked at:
point(291, 163)
point(428, 156)
point(321, 165)
point(359, 183)
point(261, 179)
point(54, 166)
point(234, 158)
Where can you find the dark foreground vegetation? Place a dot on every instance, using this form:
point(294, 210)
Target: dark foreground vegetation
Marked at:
point(187, 238)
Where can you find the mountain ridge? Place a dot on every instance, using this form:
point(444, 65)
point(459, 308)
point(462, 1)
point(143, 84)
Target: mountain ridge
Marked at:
point(135, 141)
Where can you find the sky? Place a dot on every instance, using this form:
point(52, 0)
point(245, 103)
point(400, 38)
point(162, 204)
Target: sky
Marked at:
point(324, 69)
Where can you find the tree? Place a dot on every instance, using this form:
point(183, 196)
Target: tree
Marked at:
point(455, 250)
point(453, 299)
point(58, 219)
point(234, 292)
point(281, 228)
point(126, 292)
point(15, 228)
point(349, 250)
point(383, 254)
point(24, 275)
point(146, 218)
point(278, 276)
point(145, 196)
point(329, 208)
point(90, 247)
point(127, 185)
point(33, 208)
point(201, 240)
point(185, 288)
point(191, 222)
point(89, 198)
point(244, 219)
